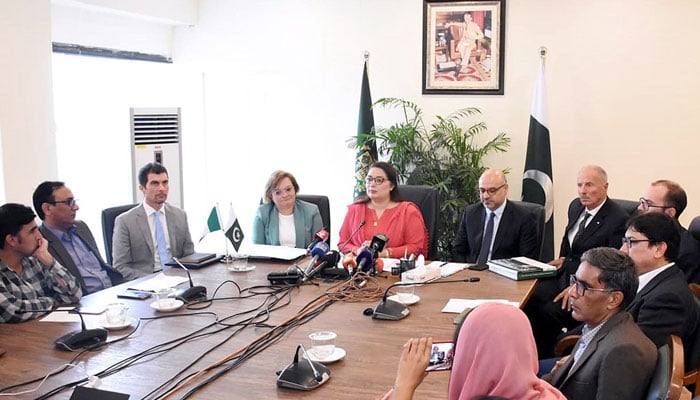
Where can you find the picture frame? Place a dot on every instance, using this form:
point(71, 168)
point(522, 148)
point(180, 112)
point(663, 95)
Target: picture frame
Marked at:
point(476, 27)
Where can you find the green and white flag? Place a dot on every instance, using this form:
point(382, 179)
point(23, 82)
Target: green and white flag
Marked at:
point(213, 223)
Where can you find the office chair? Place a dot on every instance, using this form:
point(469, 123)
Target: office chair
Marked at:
point(324, 207)
point(109, 215)
point(428, 202)
point(628, 205)
point(694, 228)
point(692, 376)
point(538, 212)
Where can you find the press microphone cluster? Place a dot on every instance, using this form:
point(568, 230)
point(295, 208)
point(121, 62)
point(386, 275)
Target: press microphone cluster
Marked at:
point(321, 236)
point(82, 339)
point(193, 293)
point(393, 310)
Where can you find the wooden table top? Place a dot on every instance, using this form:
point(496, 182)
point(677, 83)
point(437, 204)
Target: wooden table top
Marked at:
point(373, 346)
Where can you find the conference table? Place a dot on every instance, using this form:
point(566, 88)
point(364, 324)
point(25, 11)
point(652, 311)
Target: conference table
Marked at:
point(373, 347)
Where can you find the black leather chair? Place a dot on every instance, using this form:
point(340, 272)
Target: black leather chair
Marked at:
point(661, 380)
point(324, 207)
point(428, 202)
point(108, 217)
point(627, 205)
point(694, 228)
point(538, 213)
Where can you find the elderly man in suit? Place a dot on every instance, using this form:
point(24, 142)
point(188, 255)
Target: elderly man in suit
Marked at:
point(594, 221)
point(613, 359)
point(149, 235)
point(668, 197)
point(70, 241)
point(512, 231)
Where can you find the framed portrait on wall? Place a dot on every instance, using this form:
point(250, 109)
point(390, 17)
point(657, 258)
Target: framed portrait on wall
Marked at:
point(463, 46)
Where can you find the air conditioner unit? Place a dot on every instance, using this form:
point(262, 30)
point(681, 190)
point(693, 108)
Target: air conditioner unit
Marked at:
point(155, 136)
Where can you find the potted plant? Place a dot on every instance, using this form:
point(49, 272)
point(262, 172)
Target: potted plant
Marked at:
point(444, 155)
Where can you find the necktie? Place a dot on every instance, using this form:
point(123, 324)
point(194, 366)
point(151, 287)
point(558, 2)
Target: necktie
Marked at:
point(581, 226)
point(486, 242)
point(160, 239)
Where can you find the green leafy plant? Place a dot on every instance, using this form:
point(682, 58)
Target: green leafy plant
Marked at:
point(445, 156)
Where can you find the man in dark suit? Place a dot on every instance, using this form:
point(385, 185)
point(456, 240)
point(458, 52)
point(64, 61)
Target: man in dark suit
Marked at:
point(664, 305)
point(514, 228)
point(594, 221)
point(668, 197)
point(70, 241)
point(613, 359)
point(149, 235)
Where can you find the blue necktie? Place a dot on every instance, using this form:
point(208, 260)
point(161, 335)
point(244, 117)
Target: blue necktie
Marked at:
point(160, 239)
point(486, 241)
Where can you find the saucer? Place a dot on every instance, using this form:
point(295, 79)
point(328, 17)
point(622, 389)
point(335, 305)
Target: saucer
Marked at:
point(244, 269)
point(411, 300)
point(338, 354)
point(176, 304)
point(128, 321)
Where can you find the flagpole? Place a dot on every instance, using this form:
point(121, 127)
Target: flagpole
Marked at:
point(226, 259)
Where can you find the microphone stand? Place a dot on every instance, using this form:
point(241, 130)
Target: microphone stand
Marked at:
point(352, 235)
point(393, 310)
point(192, 293)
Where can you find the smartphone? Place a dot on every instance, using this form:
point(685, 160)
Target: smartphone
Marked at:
point(134, 295)
point(441, 356)
point(477, 267)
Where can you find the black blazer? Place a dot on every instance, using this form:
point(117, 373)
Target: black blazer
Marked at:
point(516, 235)
point(665, 306)
point(689, 256)
point(606, 229)
point(59, 252)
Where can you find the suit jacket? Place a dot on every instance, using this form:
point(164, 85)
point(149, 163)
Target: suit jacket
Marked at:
point(665, 306)
point(606, 229)
point(689, 256)
point(617, 364)
point(133, 247)
point(307, 221)
point(59, 252)
point(516, 235)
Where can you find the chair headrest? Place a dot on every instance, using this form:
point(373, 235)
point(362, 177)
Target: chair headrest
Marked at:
point(694, 228)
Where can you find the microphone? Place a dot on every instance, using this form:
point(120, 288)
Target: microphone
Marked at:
point(378, 243)
point(364, 259)
point(317, 252)
point(352, 235)
point(349, 262)
point(331, 258)
point(393, 310)
point(84, 338)
point(332, 271)
point(321, 236)
point(192, 293)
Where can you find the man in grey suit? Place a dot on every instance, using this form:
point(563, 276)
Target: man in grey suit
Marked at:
point(70, 241)
point(613, 359)
point(149, 235)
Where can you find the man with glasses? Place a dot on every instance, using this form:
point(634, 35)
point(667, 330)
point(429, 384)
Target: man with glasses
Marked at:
point(613, 359)
point(594, 221)
point(31, 280)
point(664, 305)
point(70, 241)
point(149, 235)
point(494, 228)
point(668, 197)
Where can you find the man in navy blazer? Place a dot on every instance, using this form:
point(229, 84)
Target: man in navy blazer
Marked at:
point(594, 221)
point(135, 250)
point(70, 241)
point(514, 226)
point(664, 304)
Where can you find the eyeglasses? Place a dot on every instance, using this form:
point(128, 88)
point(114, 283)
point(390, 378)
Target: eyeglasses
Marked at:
point(70, 202)
point(491, 191)
point(280, 192)
point(646, 205)
point(378, 180)
point(581, 287)
point(629, 241)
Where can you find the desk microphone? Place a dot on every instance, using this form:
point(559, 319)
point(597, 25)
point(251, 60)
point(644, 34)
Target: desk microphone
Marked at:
point(352, 235)
point(321, 236)
point(393, 310)
point(84, 338)
point(192, 293)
